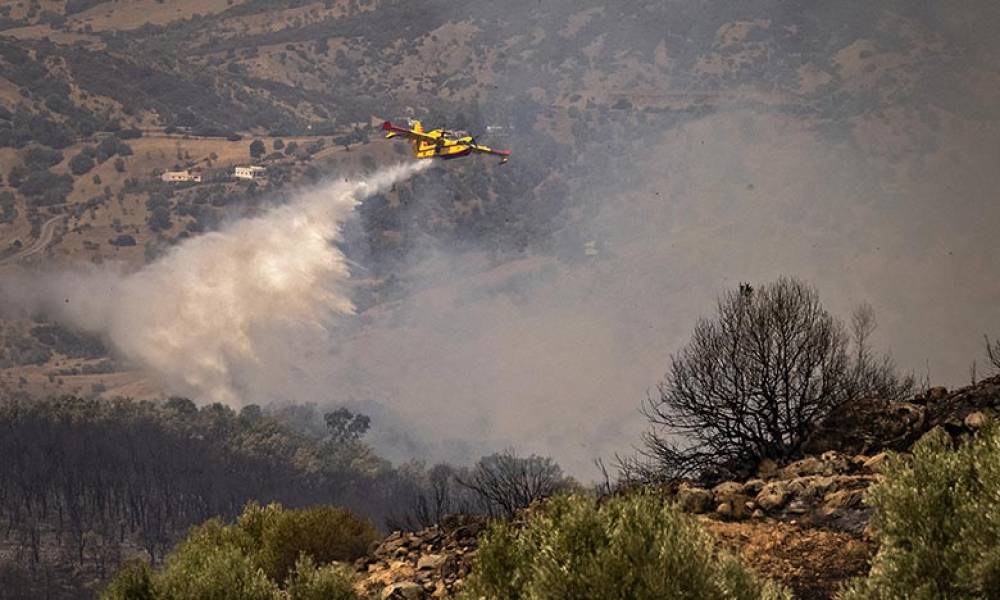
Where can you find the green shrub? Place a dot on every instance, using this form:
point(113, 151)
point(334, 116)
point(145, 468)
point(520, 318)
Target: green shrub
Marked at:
point(8, 210)
point(324, 533)
point(80, 164)
point(332, 582)
point(38, 158)
point(111, 146)
point(257, 148)
point(45, 188)
point(133, 582)
point(211, 565)
point(937, 522)
point(247, 560)
point(634, 548)
point(17, 176)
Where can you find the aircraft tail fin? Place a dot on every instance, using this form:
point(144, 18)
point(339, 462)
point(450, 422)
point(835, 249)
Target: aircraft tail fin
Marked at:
point(390, 129)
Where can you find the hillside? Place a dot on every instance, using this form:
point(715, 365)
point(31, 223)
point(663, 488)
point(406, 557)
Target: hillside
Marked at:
point(149, 87)
point(803, 523)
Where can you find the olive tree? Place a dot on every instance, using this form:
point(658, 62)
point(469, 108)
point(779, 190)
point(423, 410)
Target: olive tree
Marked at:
point(257, 148)
point(755, 381)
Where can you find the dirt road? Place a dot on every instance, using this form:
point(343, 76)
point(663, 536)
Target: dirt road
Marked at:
point(40, 244)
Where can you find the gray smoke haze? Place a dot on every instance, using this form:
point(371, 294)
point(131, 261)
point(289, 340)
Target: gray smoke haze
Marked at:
point(896, 206)
point(555, 356)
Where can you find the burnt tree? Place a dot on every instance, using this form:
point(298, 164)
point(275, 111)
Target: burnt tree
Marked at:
point(755, 381)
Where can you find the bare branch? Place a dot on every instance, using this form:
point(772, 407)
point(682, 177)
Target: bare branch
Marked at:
point(755, 381)
point(506, 483)
point(993, 351)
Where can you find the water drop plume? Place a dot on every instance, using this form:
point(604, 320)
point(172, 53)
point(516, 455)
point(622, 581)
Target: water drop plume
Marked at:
point(219, 314)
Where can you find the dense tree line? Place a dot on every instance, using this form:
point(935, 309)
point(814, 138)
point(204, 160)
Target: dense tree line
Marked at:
point(93, 473)
point(90, 483)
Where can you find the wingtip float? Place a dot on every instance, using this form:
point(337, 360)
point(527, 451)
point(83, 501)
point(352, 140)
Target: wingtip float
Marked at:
point(440, 143)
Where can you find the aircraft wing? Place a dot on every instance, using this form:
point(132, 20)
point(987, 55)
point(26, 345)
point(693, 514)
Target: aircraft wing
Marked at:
point(503, 154)
point(394, 130)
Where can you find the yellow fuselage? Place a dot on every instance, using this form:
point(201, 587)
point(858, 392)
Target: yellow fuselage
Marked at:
point(442, 147)
point(440, 143)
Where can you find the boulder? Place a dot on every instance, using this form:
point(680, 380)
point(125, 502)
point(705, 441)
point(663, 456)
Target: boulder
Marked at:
point(404, 590)
point(425, 564)
point(727, 490)
point(809, 465)
point(694, 499)
point(975, 420)
point(935, 394)
point(834, 463)
point(875, 463)
point(449, 567)
point(431, 562)
point(842, 500)
point(829, 463)
point(801, 488)
point(821, 486)
point(773, 496)
point(908, 418)
point(753, 487)
point(845, 510)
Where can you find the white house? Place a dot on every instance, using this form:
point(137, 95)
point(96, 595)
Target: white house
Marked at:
point(249, 172)
point(181, 176)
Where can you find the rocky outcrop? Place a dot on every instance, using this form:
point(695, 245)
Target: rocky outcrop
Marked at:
point(822, 490)
point(694, 499)
point(827, 488)
point(802, 522)
point(963, 410)
point(431, 563)
point(872, 426)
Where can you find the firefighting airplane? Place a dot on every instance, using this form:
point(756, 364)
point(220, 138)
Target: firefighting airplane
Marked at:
point(441, 143)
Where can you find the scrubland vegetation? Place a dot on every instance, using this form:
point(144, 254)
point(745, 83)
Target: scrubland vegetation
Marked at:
point(92, 483)
point(267, 549)
point(936, 522)
point(631, 547)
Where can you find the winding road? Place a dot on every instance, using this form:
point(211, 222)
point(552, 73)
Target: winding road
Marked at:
point(40, 244)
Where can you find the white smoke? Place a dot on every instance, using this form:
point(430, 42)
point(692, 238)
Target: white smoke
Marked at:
point(224, 316)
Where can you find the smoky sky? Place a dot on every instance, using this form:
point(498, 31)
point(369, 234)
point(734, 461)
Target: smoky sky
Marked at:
point(554, 354)
point(881, 189)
